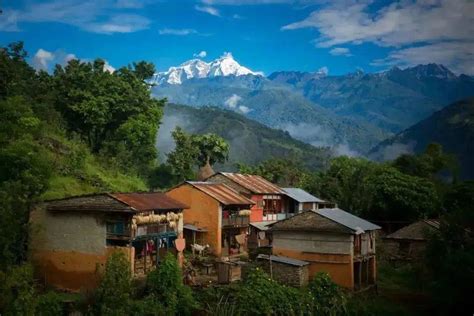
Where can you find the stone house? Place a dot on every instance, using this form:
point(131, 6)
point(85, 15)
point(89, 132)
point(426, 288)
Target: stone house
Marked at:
point(217, 215)
point(332, 241)
point(72, 238)
point(409, 242)
point(285, 270)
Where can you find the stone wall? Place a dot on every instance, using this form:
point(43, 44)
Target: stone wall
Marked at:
point(284, 273)
point(313, 242)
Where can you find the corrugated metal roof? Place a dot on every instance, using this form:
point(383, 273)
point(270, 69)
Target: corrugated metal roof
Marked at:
point(194, 228)
point(222, 193)
point(301, 195)
point(254, 183)
point(149, 201)
point(262, 225)
point(347, 219)
point(285, 260)
point(89, 203)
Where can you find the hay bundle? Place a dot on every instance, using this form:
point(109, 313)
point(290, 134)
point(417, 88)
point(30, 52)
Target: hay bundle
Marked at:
point(245, 212)
point(172, 224)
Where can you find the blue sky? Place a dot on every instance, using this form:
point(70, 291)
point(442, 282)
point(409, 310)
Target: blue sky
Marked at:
point(265, 35)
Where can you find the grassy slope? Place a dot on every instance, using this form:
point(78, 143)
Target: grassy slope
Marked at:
point(76, 171)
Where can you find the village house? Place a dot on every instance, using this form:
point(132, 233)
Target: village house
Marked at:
point(409, 242)
point(268, 197)
point(72, 238)
point(332, 241)
point(217, 216)
point(299, 200)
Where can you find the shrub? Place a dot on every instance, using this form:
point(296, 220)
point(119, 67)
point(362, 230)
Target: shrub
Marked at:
point(328, 298)
point(49, 304)
point(166, 284)
point(113, 294)
point(17, 291)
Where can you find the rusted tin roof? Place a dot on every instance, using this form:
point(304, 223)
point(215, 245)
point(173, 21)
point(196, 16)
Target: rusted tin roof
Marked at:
point(253, 183)
point(222, 193)
point(149, 201)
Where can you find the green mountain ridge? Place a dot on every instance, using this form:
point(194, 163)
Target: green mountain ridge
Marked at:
point(452, 127)
point(250, 141)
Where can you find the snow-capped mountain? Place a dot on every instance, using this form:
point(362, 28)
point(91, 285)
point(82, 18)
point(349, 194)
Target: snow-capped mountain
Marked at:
point(226, 65)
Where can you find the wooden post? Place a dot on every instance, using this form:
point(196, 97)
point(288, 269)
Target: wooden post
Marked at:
point(360, 275)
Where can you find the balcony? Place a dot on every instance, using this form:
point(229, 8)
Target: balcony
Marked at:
point(236, 221)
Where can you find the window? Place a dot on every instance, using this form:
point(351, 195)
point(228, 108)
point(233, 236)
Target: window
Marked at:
point(116, 228)
point(404, 247)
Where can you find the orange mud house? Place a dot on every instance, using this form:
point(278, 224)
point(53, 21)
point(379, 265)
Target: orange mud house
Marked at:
point(72, 238)
point(217, 216)
point(332, 241)
point(268, 198)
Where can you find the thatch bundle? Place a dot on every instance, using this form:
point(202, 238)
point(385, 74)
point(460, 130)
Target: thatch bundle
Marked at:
point(245, 212)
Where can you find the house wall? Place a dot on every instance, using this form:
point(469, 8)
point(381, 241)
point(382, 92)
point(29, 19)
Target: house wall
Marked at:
point(68, 249)
point(285, 273)
point(204, 212)
point(413, 249)
point(330, 253)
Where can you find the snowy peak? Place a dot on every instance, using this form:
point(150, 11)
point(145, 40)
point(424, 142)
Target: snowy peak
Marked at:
point(226, 65)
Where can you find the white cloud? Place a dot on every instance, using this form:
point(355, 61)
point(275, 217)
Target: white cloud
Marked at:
point(179, 32)
point(208, 9)
point(46, 60)
point(89, 15)
point(399, 24)
point(201, 54)
point(42, 59)
point(232, 101)
point(244, 109)
point(340, 51)
point(457, 56)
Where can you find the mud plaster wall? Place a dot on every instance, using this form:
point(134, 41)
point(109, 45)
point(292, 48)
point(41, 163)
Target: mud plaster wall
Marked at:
point(313, 242)
point(68, 231)
point(68, 250)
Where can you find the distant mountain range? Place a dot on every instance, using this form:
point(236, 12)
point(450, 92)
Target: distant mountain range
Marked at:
point(352, 113)
point(196, 68)
point(250, 142)
point(452, 127)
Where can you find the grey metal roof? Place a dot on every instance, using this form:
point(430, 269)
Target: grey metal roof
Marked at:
point(285, 260)
point(262, 225)
point(194, 228)
point(301, 195)
point(347, 219)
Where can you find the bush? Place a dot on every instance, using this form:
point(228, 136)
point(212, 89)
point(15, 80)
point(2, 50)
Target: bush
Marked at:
point(166, 284)
point(17, 291)
point(49, 304)
point(113, 294)
point(329, 299)
point(260, 295)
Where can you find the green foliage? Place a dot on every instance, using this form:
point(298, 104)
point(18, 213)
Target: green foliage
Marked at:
point(260, 295)
point(17, 291)
point(49, 304)
point(166, 285)
point(450, 255)
point(285, 172)
point(195, 150)
point(183, 158)
point(113, 294)
point(113, 112)
point(328, 297)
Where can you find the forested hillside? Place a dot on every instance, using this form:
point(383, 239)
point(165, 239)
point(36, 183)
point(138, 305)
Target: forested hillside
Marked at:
point(250, 142)
point(452, 127)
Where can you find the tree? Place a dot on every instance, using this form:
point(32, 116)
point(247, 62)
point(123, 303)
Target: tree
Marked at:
point(287, 172)
point(166, 285)
point(113, 112)
point(211, 149)
point(195, 150)
point(113, 294)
